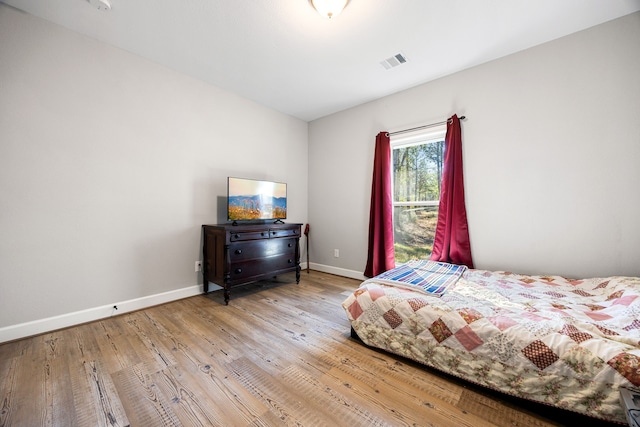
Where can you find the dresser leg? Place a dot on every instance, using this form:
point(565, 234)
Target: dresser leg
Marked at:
point(298, 274)
point(226, 296)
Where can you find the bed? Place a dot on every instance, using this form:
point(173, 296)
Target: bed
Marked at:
point(567, 343)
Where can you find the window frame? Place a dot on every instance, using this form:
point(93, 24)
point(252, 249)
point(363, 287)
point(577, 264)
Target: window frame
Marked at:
point(425, 136)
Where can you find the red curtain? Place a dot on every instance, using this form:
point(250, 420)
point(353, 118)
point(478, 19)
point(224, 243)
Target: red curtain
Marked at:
point(381, 256)
point(451, 243)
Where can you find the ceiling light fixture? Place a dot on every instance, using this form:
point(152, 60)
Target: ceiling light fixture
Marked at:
point(103, 5)
point(329, 8)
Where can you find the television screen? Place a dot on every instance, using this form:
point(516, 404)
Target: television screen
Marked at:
point(250, 199)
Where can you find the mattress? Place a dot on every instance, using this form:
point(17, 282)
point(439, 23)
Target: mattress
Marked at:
point(562, 342)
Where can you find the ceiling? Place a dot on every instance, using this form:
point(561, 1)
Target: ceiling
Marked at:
point(284, 55)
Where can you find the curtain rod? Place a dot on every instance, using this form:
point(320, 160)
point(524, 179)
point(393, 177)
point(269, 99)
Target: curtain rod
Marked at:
point(423, 126)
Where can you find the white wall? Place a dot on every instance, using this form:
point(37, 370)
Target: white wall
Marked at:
point(551, 151)
point(109, 164)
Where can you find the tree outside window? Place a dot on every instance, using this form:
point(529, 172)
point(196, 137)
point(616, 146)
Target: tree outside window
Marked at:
point(417, 176)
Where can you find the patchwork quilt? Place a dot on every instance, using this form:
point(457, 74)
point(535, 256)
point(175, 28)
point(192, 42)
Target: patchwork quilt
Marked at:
point(566, 343)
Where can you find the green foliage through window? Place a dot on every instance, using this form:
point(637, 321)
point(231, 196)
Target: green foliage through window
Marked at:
point(417, 172)
point(417, 177)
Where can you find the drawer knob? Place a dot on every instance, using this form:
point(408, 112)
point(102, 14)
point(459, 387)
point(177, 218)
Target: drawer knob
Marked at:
point(238, 251)
point(290, 261)
point(262, 234)
point(289, 245)
point(274, 233)
point(238, 270)
point(237, 236)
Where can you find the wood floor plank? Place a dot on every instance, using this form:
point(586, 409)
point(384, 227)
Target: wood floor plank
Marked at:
point(149, 337)
point(117, 348)
point(13, 349)
point(319, 396)
point(290, 409)
point(58, 391)
point(376, 389)
point(485, 407)
point(31, 406)
point(207, 372)
point(208, 323)
point(191, 408)
point(142, 400)
point(390, 371)
point(237, 403)
point(81, 346)
point(110, 410)
point(8, 388)
point(94, 400)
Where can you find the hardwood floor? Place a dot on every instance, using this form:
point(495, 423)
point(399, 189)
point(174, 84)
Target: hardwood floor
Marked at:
point(279, 354)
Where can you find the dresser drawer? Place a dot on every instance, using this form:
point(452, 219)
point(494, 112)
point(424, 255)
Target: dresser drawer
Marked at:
point(260, 249)
point(246, 270)
point(248, 235)
point(284, 233)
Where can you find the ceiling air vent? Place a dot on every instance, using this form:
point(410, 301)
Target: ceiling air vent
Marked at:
point(394, 61)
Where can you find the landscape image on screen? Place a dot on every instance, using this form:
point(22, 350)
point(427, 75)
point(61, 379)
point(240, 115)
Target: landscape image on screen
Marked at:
point(254, 200)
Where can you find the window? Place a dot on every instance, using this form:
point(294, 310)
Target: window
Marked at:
point(417, 175)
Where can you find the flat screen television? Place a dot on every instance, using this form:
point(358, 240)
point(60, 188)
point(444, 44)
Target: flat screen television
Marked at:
point(252, 200)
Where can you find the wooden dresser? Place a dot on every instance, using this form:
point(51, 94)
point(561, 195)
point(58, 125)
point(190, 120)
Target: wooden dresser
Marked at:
point(236, 255)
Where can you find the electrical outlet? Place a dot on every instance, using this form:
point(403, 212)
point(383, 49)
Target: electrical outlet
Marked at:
point(198, 266)
point(336, 253)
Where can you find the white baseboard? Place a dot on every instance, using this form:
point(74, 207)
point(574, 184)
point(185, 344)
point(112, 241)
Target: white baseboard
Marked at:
point(337, 271)
point(40, 326)
point(36, 327)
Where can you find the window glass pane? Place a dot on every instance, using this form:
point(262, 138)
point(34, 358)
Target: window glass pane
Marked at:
point(417, 172)
point(417, 176)
point(414, 229)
